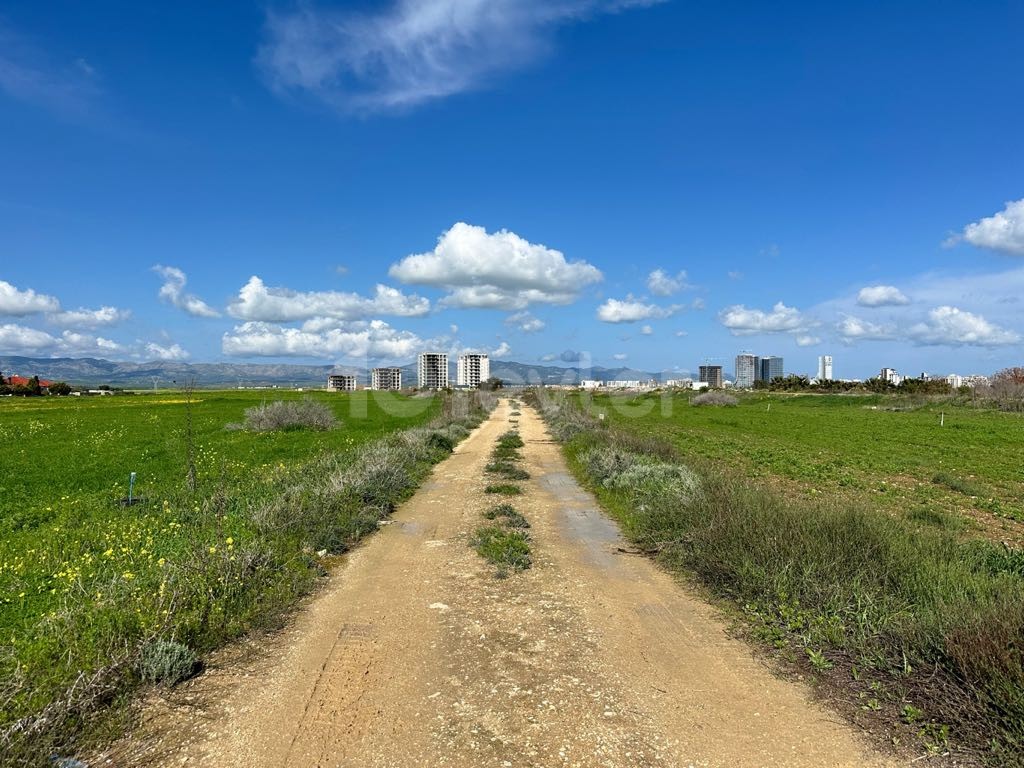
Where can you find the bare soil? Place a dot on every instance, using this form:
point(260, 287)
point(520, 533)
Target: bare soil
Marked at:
point(414, 654)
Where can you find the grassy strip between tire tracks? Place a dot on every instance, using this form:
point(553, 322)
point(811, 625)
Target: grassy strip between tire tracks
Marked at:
point(922, 632)
point(504, 542)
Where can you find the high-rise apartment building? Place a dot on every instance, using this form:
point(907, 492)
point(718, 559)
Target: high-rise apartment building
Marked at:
point(386, 378)
point(433, 370)
point(769, 368)
point(341, 382)
point(746, 370)
point(711, 375)
point(473, 370)
point(825, 368)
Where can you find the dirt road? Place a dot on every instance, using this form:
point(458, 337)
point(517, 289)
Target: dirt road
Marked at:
point(415, 655)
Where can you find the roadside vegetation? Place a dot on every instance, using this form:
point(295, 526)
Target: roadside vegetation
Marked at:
point(98, 596)
point(922, 630)
point(896, 453)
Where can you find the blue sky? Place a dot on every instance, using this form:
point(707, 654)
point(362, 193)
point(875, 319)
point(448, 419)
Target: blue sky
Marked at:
point(624, 183)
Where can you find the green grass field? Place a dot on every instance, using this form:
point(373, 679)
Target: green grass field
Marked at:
point(65, 458)
point(84, 578)
point(851, 447)
point(818, 526)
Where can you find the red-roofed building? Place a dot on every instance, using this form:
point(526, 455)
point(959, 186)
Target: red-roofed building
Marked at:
point(21, 381)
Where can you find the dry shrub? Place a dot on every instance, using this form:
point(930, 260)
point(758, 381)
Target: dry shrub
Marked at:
point(714, 398)
point(289, 414)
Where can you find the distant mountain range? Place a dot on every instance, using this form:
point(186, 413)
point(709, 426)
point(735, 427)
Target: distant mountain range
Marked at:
point(90, 371)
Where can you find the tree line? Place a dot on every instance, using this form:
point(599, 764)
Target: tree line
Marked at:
point(1005, 389)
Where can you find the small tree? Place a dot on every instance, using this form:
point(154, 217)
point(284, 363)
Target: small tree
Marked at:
point(60, 388)
point(1007, 388)
point(492, 384)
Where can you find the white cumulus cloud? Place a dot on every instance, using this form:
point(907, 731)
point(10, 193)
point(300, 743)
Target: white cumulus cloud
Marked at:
point(75, 343)
point(661, 283)
point(18, 338)
point(256, 301)
point(173, 292)
point(742, 321)
point(852, 328)
point(372, 340)
point(631, 310)
point(89, 318)
point(952, 326)
point(18, 303)
point(647, 330)
point(502, 350)
point(525, 322)
point(412, 51)
point(807, 341)
point(881, 296)
point(170, 352)
point(1003, 231)
point(499, 270)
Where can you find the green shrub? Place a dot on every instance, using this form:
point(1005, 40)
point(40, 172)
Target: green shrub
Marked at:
point(440, 441)
point(167, 662)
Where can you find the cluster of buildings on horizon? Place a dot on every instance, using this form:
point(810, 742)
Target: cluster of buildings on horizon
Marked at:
point(752, 369)
point(473, 369)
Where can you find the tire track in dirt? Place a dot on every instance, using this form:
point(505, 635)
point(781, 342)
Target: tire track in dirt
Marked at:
point(415, 655)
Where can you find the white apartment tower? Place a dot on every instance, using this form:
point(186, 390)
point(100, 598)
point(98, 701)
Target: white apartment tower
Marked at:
point(341, 383)
point(890, 375)
point(825, 368)
point(433, 370)
point(746, 370)
point(386, 378)
point(473, 370)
